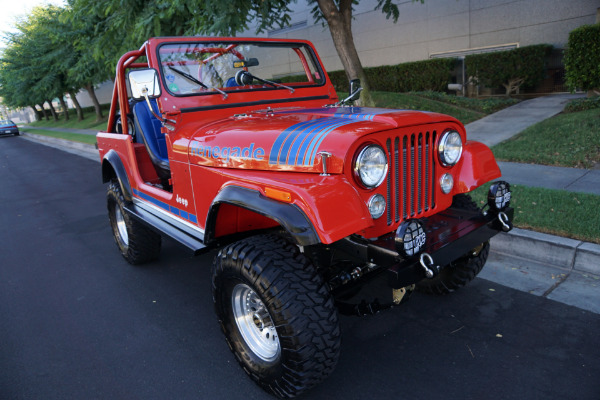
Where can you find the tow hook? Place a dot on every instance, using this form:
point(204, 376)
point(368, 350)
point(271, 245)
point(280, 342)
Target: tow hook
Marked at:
point(504, 221)
point(428, 265)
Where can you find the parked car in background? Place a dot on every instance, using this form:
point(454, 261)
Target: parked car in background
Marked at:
point(7, 127)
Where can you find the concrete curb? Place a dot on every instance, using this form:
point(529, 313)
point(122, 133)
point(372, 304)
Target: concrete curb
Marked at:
point(554, 251)
point(82, 149)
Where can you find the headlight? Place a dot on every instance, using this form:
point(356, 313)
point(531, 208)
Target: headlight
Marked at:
point(376, 206)
point(371, 166)
point(446, 183)
point(450, 148)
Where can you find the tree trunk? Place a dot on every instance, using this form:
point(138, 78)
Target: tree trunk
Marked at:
point(52, 110)
point(38, 114)
point(340, 27)
point(63, 104)
point(73, 97)
point(90, 89)
point(41, 106)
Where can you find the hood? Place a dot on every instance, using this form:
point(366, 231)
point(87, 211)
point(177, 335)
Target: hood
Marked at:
point(292, 139)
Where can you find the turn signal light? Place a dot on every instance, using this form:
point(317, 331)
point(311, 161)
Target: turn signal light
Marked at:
point(278, 195)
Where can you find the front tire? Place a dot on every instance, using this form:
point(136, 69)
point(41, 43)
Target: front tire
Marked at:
point(137, 243)
point(276, 313)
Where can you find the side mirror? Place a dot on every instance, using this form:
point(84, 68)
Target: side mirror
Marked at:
point(144, 82)
point(355, 90)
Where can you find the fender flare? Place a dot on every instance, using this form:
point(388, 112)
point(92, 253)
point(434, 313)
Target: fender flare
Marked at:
point(289, 216)
point(478, 167)
point(112, 160)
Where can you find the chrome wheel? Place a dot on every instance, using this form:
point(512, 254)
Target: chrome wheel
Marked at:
point(255, 323)
point(121, 226)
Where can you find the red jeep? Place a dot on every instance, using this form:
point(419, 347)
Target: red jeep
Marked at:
point(316, 206)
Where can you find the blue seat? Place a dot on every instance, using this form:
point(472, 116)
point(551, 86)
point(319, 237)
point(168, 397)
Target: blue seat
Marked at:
point(231, 82)
point(148, 127)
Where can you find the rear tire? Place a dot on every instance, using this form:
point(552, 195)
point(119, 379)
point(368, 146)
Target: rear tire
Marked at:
point(462, 271)
point(276, 313)
point(137, 243)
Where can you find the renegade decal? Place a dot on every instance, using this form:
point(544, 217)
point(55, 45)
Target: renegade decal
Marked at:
point(298, 144)
point(246, 153)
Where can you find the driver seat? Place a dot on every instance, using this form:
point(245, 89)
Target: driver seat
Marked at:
point(149, 128)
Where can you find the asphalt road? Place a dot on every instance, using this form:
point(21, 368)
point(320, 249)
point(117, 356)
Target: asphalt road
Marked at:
point(77, 322)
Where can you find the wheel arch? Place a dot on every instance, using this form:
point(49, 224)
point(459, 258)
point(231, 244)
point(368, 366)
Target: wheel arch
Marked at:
point(288, 216)
point(112, 167)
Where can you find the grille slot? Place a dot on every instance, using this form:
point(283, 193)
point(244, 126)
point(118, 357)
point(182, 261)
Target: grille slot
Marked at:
point(411, 177)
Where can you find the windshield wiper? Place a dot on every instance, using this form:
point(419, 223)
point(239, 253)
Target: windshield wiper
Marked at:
point(242, 77)
point(191, 78)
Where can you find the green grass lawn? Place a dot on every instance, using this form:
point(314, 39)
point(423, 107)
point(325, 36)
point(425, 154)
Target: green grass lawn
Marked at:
point(411, 101)
point(89, 122)
point(566, 140)
point(557, 212)
point(466, 110)
point(75, 137)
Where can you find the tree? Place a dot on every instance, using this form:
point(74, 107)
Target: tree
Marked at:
point(36, 67)
point(339, 14)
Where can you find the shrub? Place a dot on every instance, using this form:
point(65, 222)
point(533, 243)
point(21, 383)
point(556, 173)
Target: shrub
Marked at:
point(407, 77)
point(582, 58)
point(511, 68)
point(583, 104)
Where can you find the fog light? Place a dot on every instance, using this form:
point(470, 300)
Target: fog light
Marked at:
point(499, 195)
point(410, 237)
point(376, 206)
point(446, 183)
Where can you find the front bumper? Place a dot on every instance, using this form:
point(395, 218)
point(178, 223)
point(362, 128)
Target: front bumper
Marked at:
point(9, 131)
point(451, 234)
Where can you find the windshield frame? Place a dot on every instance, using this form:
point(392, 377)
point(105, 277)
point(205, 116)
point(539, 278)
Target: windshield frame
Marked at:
point(314, 60)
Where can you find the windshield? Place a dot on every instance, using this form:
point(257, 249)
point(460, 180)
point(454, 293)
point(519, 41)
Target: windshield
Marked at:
point(202, 68)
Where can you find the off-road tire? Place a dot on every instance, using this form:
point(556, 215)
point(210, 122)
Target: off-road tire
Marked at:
point(462, 271)
point(141, 244)
point(298, 302)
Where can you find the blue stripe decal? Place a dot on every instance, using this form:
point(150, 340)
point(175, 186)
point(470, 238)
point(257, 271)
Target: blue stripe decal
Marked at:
point(314, 144)
point(190, 217)
point(299, 143)
point(296, 154)
point(302, 137)
point(283, 155)
point(279, 141)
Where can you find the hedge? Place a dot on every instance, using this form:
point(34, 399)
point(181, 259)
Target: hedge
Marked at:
point(583, 104)
point(512, 68)
point(582, 58)
point(407, 77)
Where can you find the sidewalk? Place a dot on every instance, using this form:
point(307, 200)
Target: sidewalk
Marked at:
point(504, 124)
point(558, 268)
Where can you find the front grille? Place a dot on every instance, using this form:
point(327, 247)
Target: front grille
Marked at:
point(410, 180)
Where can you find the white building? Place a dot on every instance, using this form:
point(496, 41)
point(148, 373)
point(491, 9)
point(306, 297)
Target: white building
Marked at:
point(445, 27)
